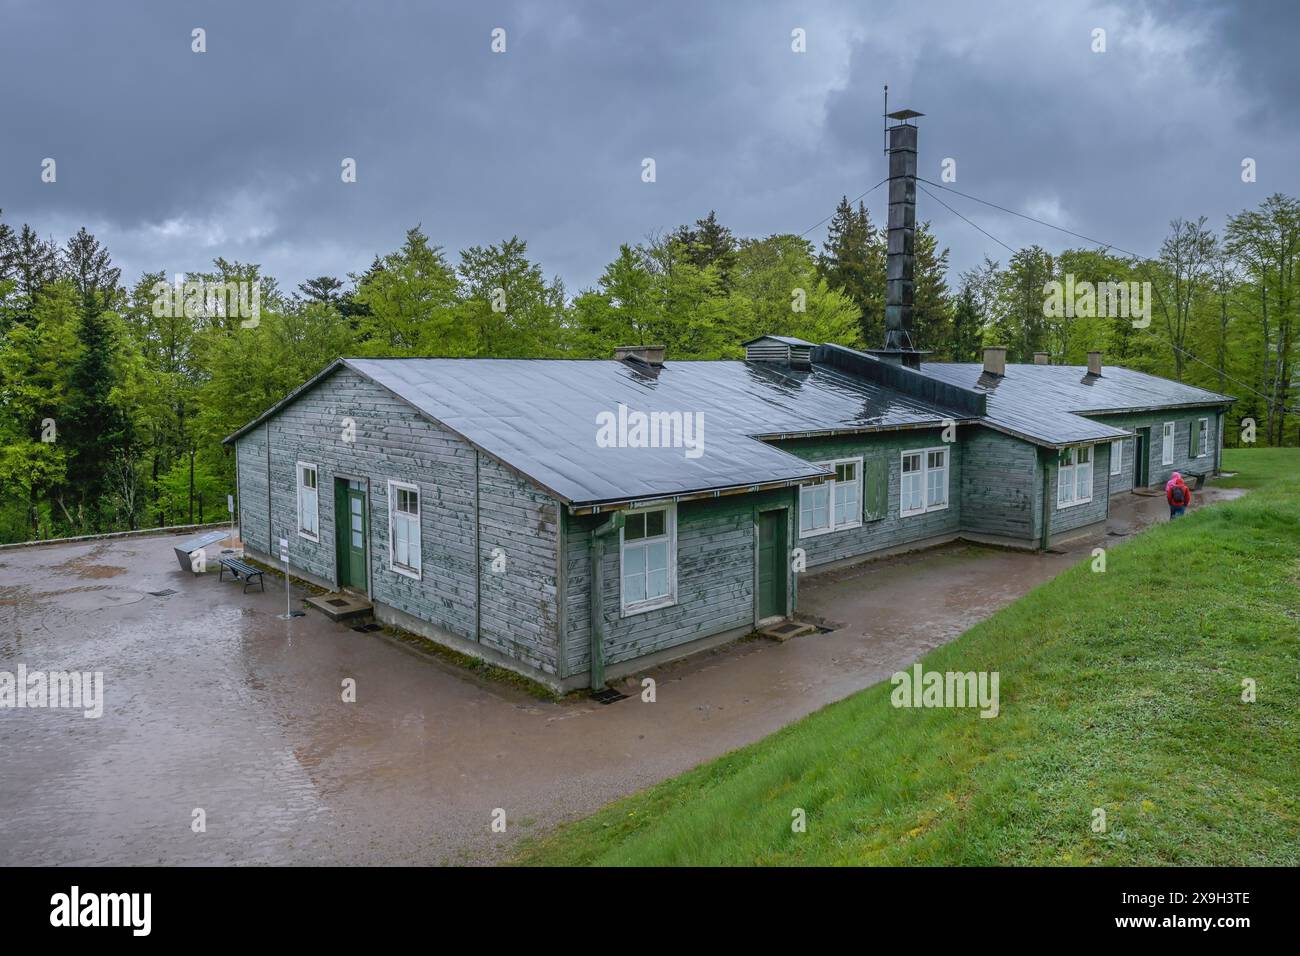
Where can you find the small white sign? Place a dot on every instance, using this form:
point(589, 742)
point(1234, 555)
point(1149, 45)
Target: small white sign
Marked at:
point(230, 504)
point(284, 545)
point(284, 558)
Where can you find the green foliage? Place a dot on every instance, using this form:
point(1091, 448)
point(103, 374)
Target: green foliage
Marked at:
point(779, 291)
point(506, 301)
point(410, 304)
point(852, 261)
point(139, 385)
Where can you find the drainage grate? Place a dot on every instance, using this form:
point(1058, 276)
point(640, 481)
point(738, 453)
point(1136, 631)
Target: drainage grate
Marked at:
point(787, 628)
point(607, 695)
point(165, 593)
point(338, 602)
point(367, 628)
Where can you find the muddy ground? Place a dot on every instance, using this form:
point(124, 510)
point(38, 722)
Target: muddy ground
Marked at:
point(213, 702)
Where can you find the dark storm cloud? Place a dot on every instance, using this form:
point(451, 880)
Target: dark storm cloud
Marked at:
point(174, 158)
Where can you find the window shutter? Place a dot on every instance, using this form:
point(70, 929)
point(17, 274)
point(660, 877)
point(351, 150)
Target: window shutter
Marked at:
point(875, 488)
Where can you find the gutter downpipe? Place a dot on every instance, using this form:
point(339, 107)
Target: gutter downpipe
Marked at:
point(1047, 494)
point(598, 536)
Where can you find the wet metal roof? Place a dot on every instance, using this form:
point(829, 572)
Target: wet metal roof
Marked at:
point(1046, 403)
point(541, 418)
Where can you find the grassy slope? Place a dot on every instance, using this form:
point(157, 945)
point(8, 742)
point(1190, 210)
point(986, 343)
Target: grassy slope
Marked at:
point(1119, 690)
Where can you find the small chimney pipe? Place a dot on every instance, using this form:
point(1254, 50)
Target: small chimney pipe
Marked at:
point(1094, 363)
point(995, 360)
point(1042, 358)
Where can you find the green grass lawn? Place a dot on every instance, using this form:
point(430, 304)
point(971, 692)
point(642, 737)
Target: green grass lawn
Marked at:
point(1119, 690)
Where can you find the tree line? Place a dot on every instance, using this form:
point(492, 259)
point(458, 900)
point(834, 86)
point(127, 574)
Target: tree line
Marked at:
point(114, 398)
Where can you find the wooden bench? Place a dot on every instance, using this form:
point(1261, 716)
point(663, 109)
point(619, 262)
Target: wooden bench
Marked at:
point(242, 571)
point(1194, 479)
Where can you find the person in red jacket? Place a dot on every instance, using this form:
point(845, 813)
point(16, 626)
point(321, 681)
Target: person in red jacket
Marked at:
point(1178, 495)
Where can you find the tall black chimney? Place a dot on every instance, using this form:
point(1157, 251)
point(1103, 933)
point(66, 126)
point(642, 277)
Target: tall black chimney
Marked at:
point(900, 262)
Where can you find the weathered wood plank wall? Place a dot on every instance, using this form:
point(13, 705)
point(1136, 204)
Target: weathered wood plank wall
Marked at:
point(1000, 484)
point(512, 610)
point(891, 530)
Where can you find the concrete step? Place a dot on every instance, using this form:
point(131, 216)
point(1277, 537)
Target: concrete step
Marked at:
point(784, 630)
point(342, 606)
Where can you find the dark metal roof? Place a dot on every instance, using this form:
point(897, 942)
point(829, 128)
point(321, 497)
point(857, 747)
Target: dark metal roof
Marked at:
point(1046, 403)
point(540, 417)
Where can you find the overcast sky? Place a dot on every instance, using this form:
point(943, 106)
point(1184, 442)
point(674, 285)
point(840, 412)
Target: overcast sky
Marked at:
point(173, 157)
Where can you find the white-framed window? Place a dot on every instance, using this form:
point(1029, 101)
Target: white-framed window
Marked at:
point(814, 509)
point(924, 483)
point(1074, 476)
point(1202, 437)
point(1117, 456)
point(308, 502)
point(404, 548)
point(648, 558)
point(835, 504)
point(1167, 444)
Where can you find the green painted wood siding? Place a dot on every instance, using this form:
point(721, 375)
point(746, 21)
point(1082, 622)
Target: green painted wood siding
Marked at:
point(1089, 512)
point(1124, 480)
point(1000, 485)
point(1184, 422)
point(716, 540)
point(880, 451)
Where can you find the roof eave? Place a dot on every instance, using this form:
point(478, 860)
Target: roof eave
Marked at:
point(863, 429)
point(1131, 409)
point(1049, 443)
point(621, 504)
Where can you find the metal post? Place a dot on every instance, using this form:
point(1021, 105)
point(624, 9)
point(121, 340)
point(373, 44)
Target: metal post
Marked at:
point(289, 613)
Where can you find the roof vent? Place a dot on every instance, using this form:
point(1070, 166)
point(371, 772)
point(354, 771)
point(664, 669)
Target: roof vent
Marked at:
point(1042, 358)
point(652, 355)
point(780, 350)
point(1094, 363)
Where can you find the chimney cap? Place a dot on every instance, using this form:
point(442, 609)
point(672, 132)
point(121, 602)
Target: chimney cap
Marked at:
point(995, 360)
point(903, 115)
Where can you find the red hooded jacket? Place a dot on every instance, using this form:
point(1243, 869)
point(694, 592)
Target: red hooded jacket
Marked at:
point(1187, 495)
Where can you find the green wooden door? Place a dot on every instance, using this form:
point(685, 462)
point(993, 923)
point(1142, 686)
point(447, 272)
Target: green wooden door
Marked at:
point(771, 564)
point(1141, 457)
point(350, 520)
